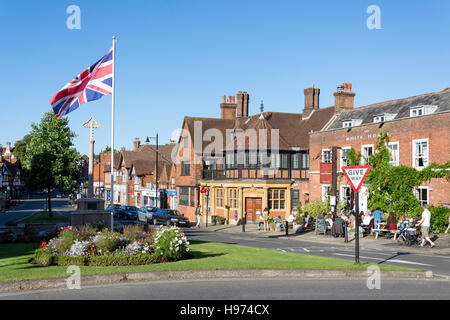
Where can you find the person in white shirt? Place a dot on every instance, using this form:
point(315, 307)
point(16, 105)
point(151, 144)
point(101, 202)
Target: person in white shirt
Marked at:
point(425, 222)
point(367, 219)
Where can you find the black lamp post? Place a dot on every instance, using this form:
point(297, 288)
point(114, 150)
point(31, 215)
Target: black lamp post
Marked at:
point(156, 155)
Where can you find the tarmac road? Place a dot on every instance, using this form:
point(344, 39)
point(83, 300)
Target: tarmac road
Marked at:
point(27, 207)
point(439, 264)
point(248, 289)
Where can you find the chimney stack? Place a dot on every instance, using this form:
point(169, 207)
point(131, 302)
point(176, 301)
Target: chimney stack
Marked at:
point(344, 98)
point(311, 100)
point(136, 144)
point(228, 108)
point(242, 104)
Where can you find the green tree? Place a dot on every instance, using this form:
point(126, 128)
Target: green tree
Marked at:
point(51, 162)
point(20, 148)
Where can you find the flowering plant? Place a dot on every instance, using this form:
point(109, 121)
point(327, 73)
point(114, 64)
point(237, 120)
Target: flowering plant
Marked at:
point(171, 243)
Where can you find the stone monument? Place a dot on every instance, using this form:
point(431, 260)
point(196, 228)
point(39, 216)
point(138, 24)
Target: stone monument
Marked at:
point(91, 210)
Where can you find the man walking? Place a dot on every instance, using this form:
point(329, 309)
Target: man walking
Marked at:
point(425, 222)
point(198, 215)
point(377, 217)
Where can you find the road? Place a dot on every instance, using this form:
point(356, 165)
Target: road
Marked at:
point(439, 264)
point(248, 289)
point(27, 207)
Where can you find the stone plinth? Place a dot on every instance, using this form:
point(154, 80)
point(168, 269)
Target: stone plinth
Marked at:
point(90, 211)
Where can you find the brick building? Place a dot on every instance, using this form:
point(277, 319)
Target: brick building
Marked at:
point(419, 132)
point(250, 176)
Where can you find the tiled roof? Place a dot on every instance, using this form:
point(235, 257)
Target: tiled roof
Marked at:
point(400, 108)
point(293, 129)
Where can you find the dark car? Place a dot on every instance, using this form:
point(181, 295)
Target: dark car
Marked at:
point(116, 210)
point(128, 213)
point(145, 214)
point(170, 217)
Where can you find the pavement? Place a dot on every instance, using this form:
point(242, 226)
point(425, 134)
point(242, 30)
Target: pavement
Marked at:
point(442, 242)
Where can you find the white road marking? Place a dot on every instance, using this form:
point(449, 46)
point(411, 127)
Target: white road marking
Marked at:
point(390, 260)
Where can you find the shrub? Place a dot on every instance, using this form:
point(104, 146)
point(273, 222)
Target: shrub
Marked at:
point(123, 260)
point(107, 241)
point(170, 243)
point(439, 219)
point(133, 232)
point(42, 257)
point(316, 208)
point(299, 219)
point(65, 260)
point(68, 237)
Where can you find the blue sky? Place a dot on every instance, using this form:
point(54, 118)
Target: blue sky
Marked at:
point(178, 57)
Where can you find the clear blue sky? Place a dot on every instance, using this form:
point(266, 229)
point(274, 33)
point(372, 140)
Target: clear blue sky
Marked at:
point(178, 57)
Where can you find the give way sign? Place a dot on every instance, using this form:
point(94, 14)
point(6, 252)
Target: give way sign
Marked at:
point(356, 175)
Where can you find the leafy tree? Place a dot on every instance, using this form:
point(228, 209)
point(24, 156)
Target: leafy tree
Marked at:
point(51, 162)
point(20, 148)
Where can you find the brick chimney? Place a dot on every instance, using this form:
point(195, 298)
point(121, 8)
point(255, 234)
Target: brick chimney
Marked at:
point(228, 108)
point(344, 98)
point(136, 144)
point(311, 100)
point(242, 104)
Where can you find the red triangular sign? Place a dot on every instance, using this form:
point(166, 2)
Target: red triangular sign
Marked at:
point(356, 175)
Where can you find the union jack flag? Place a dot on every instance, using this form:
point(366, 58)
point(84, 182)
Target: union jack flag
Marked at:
point(91, 84)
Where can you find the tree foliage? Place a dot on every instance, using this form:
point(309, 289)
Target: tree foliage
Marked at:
point(51, 161)
point(392, 187)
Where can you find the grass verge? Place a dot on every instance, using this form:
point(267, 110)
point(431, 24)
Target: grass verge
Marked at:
point(42, 217)
point(14, 264)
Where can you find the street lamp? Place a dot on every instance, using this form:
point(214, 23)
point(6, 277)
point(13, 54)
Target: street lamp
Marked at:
point(156, 155)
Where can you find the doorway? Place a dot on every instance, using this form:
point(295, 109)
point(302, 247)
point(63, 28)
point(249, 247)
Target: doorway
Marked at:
point(253, 208)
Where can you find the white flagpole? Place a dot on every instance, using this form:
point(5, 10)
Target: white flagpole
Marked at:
point(112, 131)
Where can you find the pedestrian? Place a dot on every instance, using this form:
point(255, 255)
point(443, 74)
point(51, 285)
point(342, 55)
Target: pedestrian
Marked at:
point(391, 223)
point(425, 226)
point(261, 222)
point(198, 215)
point(266, 219)
point(377, 217)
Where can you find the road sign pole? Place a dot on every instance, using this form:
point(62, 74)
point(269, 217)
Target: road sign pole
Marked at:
point(357, 228)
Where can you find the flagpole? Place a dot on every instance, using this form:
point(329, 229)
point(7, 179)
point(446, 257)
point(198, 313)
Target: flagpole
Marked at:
point(114, 41)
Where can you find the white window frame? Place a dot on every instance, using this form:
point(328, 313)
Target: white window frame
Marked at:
point(427, 156)
point(363, 155)
point(347, 124)
point(379, 118)
point(341, 160)
point(341, 191)
point(418, 193)
point(394, 163)
point(417, 110)
point(325, 195)
point(323, 155)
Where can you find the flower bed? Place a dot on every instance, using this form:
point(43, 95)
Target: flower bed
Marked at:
point(133, 246)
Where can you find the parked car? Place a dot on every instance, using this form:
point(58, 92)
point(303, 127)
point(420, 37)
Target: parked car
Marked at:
point(116, 210)
point(145, 214)
point(170, 217)
point(128, 213)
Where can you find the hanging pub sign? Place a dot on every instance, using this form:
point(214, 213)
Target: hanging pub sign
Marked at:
point(326, 170)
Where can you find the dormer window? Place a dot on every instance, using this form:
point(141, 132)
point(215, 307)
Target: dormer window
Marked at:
point(415, 112)
point(351, 123)
point(384, 117)
point(422, 110)
point(379, 118)
point(347, 124)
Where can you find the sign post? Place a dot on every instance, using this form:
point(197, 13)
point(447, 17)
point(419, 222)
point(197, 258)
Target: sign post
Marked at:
point(355, 176)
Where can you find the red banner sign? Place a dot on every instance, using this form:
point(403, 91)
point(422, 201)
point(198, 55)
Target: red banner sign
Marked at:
point(326, 170)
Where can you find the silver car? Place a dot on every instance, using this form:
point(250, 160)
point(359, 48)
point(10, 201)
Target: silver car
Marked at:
point(145, 214)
